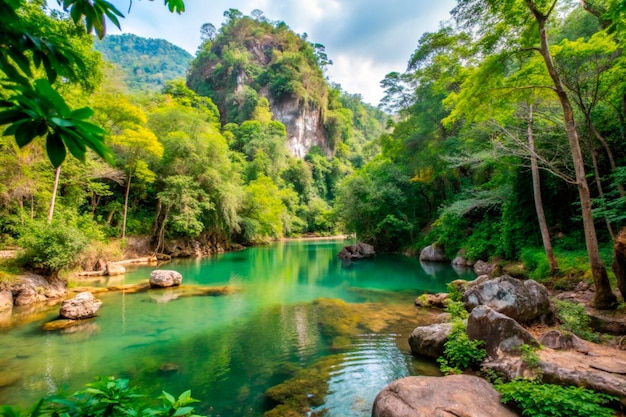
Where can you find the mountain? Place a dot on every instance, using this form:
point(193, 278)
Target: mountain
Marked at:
point(253, 59)
point(145, 63)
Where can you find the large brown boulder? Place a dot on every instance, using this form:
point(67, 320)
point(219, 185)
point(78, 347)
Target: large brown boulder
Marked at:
point(500, 333)
point(523, 301)
point(161, 278)
point(32, 288)
point(449, 396)
point(357, 251)
point(6, 300)
point(82, 306)
point(114, 269)
point(429, 340)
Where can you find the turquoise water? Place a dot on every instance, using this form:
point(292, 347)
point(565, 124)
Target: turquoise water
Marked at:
point(230, 349)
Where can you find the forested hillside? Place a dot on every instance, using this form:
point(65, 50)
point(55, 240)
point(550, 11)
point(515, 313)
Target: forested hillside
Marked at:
point(146, 64)
point(173, 168)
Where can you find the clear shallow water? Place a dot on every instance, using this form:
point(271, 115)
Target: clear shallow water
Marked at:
point(230, 349)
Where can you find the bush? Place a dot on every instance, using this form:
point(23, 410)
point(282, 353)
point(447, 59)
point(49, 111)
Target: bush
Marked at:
point(51, 247)
point(574, 319)
point(460, 352)
point(546, 400)
point(536, 263)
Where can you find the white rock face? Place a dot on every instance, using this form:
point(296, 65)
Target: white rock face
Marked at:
point(162, 278)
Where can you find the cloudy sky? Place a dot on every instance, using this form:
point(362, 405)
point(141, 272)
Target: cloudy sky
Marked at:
point(365, 39)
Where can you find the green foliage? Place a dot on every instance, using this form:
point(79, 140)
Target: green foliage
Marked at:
point(574, 319)
point(53, 246)
point(536, 263)
point(546, 400)
point(457, 309)
point(108, 397)
point(460, 352)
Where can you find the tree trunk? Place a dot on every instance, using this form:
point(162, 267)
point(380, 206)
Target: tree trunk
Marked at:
point(130, 176)
point(619, 261)
point(598, 177)
point(609, 153)
point(603, 297)
point(57, 173)
point(543, 225)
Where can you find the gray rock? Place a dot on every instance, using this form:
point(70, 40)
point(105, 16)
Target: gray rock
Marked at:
point(33, 288)
point(554, 339)
point(499, 332)
point(82, 306)
point(115, 269)
point(434, 253)
point(357, 251)
point(429, 340)
point(6, 300)
point(161, 278)
point(484, 268)
point(524, 301)
point(449, 396)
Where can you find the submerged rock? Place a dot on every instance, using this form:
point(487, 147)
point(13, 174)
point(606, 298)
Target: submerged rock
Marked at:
point(162, 278)
point(425, 396)
point(82, 306)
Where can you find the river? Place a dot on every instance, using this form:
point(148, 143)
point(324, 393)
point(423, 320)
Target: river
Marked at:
point(295, 307)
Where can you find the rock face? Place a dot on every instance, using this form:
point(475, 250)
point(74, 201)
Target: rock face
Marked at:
point(439, 300)
point(524, 301)
point(35, 288)
point(161, 278)
point(483, 268)
point(450, 396)
point(434, 253)
point(357, 251)
point(499, 332)
point(429, 340)
point(303, 123)
point(82, 306)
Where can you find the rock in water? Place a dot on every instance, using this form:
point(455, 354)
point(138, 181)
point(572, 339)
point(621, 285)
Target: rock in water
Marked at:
point(357, 251)
point(82, 306)
point(162, 278)
point(430, 340)
point(434, 253)
point(425, 396)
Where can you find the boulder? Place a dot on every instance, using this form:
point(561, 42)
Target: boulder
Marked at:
point(6, 300)
point(161, 278)
point(425, 396)
point(499, 332)
point(434, 253)
point(461, 260)
point(439, 300)
point(33, 288)
point(82, 306)
point(523, 301)
point(115, 269)
point(357, 251)
point(484, 268)
point(557, 340)
point(429, 340)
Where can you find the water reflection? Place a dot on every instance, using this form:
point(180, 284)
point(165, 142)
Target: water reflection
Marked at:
point(231, 349)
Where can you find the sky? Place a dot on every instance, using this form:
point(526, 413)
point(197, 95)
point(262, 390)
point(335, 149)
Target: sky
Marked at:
point(365, 39)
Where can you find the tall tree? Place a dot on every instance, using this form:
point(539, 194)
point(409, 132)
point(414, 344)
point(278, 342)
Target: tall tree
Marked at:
point(507, 26)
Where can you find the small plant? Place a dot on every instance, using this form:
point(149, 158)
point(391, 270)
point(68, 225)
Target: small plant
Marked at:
point(457, 310)
point(574, 319)
point(454, 293)
point(529, 356)
point(460, 352)
point(547, 400)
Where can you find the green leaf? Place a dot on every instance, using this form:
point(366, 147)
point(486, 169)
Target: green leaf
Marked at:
point(183, 411)
point(11, 115)
point(26, 132)
point(83, 113)
point(56, 151)
point(169, 397)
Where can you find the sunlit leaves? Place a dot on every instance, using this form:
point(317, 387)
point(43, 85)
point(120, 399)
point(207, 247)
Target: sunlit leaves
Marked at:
point(95, 13)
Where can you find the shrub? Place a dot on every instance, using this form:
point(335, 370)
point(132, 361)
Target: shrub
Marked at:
point(546, 400)
point(460, 352)
point(51, 247)
point(574, 319)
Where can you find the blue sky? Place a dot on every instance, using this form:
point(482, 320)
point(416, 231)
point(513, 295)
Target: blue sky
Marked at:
point(366, 39)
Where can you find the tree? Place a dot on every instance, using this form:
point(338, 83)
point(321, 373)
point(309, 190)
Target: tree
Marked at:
point(499, 23)
point(36, 109)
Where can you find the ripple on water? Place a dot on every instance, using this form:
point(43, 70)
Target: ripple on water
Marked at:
point(370, 363)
